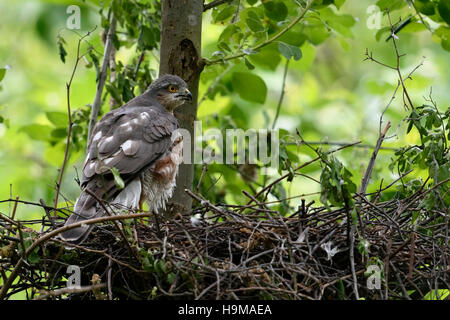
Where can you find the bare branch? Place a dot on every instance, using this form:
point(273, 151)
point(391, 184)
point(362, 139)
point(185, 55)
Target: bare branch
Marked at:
point(102, 77)
point(214, 4)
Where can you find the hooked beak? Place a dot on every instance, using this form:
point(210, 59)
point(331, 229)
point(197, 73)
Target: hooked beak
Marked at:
point(187, 95)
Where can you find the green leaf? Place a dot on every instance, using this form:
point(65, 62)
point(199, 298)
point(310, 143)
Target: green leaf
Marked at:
point(414, 27)
point(380, 32)
point(171, 278)
point(249, 86)
point(268, 57)
point(443, 172)
point(276, 10)
point(37, 131)
point(117, 178)
point(289, 51)
point(231, 33)
point(62, 51)
point(444, 33)
point(248, 64)
point(443, 294)
point(390, 4)
point(223, 46)
point(34, 257)
point(254, 24)
point(96, 63)
point(2, 73)
point(114, 92)
point(425, 7)
point(294, 37)
point(59, 133)
point(444, 10)
point(340, 23)
point(226, 13)
point(59, 119)
point(127, 91)
point(147, 39)
point(316, 34)
point(338, 3)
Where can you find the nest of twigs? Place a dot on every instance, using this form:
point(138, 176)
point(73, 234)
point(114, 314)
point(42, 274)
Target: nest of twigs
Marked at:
point(239, 252)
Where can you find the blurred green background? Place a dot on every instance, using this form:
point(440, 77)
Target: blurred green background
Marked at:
point(332, 94)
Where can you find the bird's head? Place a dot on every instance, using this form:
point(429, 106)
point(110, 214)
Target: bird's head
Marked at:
point(170, 91)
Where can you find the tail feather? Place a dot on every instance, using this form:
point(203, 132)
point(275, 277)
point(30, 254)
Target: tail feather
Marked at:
point(86, 207)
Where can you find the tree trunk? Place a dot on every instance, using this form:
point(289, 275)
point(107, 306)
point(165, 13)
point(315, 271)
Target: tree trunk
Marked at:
point(181, 55)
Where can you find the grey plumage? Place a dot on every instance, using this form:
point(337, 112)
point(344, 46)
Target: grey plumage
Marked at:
point(132, 139)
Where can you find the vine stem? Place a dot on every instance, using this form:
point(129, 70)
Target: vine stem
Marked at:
point(268, 41)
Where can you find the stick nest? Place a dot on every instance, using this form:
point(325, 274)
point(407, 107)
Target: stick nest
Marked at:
point(241, 252)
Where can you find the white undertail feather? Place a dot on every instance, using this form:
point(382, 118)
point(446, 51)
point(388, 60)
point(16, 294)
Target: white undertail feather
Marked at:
point(156, 192)
point(129, 197)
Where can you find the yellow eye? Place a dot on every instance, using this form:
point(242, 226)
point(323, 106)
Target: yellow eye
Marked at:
point(173, 89)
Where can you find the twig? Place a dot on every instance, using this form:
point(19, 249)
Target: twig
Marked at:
point(110, 296)
point(112, 75)
point(336, 143)
point(59, 292)
point(138, 64)
point(398, 63)
point(102, 78)
point(367, 174)
point(47, 211)
point(280, 101)
point(45, 207)
point(13, 214)
point(204, 169)
point(214, 4)
point(411, 255)
point(69, 130)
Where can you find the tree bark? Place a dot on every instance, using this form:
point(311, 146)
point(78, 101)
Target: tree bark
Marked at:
point(181, 55)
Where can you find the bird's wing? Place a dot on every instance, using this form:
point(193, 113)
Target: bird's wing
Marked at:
point(128, 140)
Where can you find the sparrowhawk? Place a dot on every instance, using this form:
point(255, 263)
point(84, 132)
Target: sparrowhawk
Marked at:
point(139, 141)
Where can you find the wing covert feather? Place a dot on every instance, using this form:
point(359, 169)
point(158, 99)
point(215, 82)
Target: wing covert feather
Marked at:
point(128, 139)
